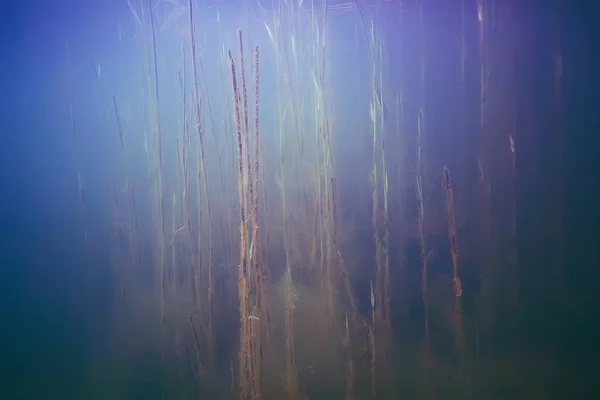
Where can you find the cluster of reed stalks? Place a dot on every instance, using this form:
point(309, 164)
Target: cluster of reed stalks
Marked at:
point(284, 202)
point(252, 273)
point(183, 255)
point(379, 330)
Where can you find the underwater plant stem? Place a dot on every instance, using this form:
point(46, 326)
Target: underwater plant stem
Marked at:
point(246, 135)
point(262, 272)
point(248, 390)
point(211, 345)
point(458, 291)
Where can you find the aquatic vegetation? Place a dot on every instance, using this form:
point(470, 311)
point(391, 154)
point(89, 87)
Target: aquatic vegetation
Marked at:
point(274, 190)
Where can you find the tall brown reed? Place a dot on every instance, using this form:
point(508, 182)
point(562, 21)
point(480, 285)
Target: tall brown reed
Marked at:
point(459, 336)
point(248, 383)
point(350, 395)
point(258, 261)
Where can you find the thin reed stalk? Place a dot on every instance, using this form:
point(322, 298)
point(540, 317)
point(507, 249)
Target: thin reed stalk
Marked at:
point(262, 268)
point(350, 395)
point(291, 374)
point(486, 312)
point(379, 295)
point(246, 136)
point(119, 229)
point(210, 336)
point(463, 44)
point(422, 208)
point(513, 258)
point(459, 336)
point(290, 378)
point(248, 381)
